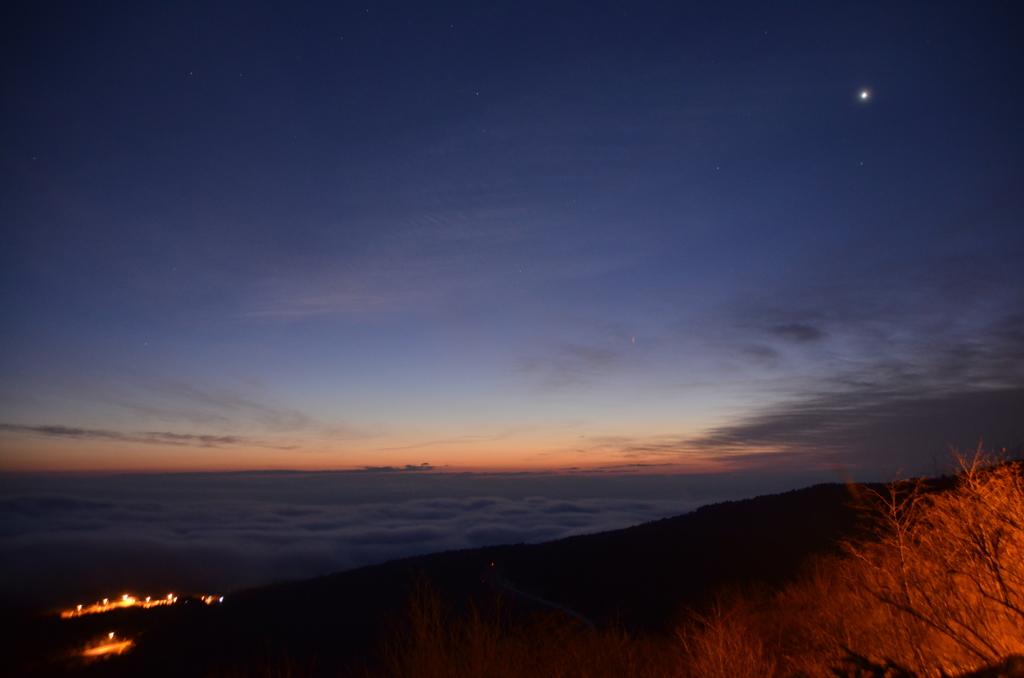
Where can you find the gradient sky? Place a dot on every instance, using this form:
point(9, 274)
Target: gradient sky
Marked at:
point(510, 235)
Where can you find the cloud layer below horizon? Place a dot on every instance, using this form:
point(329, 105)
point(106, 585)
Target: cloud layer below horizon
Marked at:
point(70, 539)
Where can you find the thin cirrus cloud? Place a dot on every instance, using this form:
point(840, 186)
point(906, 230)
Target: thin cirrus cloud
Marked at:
point(423, 271)
point(146, 437)
point(196, 401)
point(571, 364)
point(154, 397)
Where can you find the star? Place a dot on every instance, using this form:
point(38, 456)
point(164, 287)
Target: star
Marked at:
point(864, 95)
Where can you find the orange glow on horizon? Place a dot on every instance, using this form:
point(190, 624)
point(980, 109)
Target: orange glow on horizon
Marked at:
point(538, 452)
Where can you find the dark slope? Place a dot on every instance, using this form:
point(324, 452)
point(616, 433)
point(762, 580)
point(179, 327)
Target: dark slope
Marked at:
point(639, 576)
point(642, 575)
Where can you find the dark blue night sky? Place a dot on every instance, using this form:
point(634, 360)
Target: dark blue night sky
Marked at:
point(519, 236)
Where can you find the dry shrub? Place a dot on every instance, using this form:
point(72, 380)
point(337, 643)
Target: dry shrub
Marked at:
point(434, 642)
point(727, 639)
point(949, 569)
point(814, 618)
point(939, 589)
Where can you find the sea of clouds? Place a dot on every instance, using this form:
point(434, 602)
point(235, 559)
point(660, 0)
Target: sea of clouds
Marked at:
point(68, 539)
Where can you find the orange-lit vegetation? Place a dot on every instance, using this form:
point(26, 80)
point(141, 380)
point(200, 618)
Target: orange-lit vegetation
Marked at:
point(948, 572)
point(937, 588)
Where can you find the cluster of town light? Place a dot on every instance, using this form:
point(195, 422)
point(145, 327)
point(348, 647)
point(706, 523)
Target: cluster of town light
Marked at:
point(111, 644)
point(124, 601)
point(127, 600)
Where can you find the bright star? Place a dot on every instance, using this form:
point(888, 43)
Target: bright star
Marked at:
point(864, 94)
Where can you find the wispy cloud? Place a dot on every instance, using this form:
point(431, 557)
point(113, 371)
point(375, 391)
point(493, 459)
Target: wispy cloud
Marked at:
point(166, 396)
point(865, 426)
point(146, 437)
point(573, 364)
point(878, 428)
point(393, 469)
point(456, 440)
point(798, 332)
point(639, 446)
point(195, 404)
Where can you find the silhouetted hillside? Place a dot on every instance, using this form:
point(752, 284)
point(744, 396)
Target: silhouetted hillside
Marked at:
point(641, 575)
